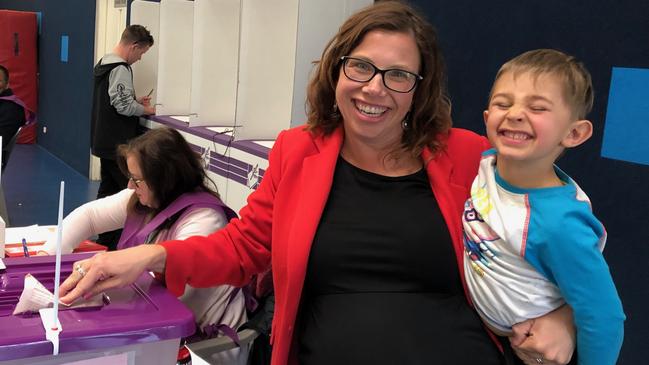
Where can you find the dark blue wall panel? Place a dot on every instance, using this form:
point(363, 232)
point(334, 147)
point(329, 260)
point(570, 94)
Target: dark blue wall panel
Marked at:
point(478, 36)
point(65, 87)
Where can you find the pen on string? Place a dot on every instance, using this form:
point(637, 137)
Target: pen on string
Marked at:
point(25, 249)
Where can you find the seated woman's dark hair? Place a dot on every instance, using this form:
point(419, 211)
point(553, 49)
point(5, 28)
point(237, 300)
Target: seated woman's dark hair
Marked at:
point(169, 166)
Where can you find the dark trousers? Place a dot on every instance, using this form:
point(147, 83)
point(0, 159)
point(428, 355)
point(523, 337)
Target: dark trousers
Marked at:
point(112, 182)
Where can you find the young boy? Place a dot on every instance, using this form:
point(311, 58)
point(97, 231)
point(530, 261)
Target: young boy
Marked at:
point(531, 239)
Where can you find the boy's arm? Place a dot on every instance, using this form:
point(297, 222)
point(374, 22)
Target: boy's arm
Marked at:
point(572, 260)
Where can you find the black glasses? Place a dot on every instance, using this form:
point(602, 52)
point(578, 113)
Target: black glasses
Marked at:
point(359, 70)
point(135, 181)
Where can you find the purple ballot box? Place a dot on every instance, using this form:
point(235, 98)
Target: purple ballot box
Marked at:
point(142, 323)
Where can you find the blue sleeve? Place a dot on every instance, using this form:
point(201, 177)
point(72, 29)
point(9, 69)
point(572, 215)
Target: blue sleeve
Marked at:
point(563, 245)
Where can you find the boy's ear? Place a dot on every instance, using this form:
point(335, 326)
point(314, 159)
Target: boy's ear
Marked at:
point(485, 115)
point(579, 133)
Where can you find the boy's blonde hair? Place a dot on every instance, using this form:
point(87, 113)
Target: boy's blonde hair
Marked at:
point(577, 83)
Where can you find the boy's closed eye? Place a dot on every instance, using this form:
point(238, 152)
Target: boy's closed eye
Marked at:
point(538, 108)
point(501, 104)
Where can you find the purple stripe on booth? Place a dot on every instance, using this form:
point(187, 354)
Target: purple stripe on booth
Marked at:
point(221, 138)
point(253, 148)
point(222, 165)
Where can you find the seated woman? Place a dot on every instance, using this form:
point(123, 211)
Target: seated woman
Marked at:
point(167, 198)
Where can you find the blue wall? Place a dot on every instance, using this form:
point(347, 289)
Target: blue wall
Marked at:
point(65, 88)
point(478, 36)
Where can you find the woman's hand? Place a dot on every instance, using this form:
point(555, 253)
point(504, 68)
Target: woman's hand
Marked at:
point(111, 270)
point(549, 339)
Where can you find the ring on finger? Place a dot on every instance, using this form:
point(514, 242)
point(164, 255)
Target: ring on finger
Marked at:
point(80, 270)
point(539, 360)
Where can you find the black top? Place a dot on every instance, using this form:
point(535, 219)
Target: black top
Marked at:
point(12, 117)
point(108, 128)
point(382, 283)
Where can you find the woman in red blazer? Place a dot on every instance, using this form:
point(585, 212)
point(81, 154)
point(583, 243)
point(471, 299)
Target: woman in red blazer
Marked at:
point(359, 214)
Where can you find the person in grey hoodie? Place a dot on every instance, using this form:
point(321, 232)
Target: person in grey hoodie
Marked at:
point(116, 110)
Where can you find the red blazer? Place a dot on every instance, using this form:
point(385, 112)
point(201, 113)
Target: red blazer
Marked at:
point(284, 212)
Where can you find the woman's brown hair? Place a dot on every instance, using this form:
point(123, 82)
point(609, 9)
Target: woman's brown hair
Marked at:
point(430, 113)
point(169, 166)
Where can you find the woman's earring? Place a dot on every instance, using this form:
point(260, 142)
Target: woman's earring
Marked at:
point(335, 114)
point(405, 123)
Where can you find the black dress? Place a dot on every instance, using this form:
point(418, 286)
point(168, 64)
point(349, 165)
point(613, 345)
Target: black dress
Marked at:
point(382, 283)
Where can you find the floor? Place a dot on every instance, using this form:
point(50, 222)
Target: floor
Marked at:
point(31, 183)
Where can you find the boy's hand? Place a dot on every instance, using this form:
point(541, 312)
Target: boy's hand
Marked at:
point(549, 339)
